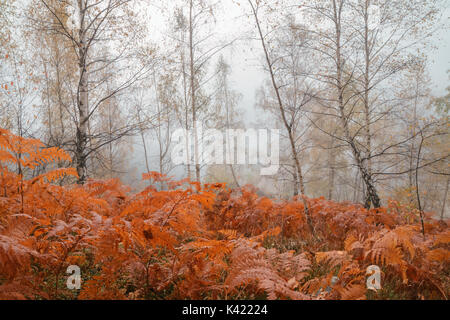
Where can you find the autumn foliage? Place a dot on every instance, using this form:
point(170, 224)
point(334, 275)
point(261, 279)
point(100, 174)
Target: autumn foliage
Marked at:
point(181, 239)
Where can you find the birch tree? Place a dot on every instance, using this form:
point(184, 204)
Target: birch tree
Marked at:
point(92, 26)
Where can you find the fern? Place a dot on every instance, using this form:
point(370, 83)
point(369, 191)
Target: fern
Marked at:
point(198, 241)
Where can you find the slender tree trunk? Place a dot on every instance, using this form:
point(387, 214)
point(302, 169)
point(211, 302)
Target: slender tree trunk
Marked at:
point(49, 113)
point(142, 134)
point(60, 102)
point(188, 147)
point(228, 116)
point(417, 186)
point(227, 108)
point(186, 119)
point(82, 99)
point(285, 122)
point(296, 183)
point(145, 151)
point(356, 187)
point(332, 171)
point(413, 147)
point(366, 93)
point(110, 145)
point(372, 197)
point(159, 134)
point(193, 97)
point(445, 199)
